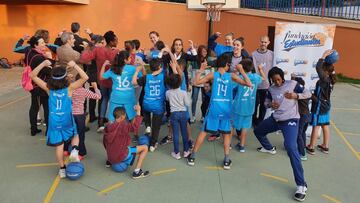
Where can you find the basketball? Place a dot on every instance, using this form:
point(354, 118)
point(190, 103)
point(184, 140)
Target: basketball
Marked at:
point(332, 58)
point(120, 167)
point(144, 140)
point(74, 170)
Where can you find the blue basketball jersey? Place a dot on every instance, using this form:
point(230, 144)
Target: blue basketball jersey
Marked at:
point(60, 110)
point(244, 102)
point(154, 54)
point(123, 91)
point(154, 97)
point(221, 96)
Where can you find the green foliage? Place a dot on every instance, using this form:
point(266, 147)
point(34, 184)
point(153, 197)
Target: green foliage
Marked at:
point(344, 79)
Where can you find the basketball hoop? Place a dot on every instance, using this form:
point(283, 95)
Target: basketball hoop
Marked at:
point(213, 9)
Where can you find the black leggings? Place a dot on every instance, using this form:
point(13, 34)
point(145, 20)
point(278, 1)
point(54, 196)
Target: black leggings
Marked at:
point(155, 124)
point(38, 98)
point(80, 127)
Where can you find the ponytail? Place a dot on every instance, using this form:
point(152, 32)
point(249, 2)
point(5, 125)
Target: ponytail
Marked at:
point(119, 62)
point(330, 70)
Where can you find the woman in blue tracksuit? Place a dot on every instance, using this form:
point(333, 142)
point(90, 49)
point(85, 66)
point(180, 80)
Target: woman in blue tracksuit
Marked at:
point(282, 97)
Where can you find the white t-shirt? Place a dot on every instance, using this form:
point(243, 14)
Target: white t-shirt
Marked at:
point(178, 99)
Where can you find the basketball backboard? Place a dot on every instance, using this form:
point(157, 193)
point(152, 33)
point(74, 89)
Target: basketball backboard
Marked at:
point(227, 4)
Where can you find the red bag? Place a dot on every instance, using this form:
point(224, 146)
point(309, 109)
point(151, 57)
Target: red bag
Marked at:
point(26, 81)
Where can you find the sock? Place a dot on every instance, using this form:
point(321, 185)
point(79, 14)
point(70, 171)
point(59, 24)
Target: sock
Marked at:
point(193, 154)
point(226, 158)
point(137, 170)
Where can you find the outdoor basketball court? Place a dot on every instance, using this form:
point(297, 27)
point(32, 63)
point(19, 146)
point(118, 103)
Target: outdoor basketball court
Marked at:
point(29, 172)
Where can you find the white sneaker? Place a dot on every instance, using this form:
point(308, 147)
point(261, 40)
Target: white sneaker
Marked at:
point(74, 156)
point(148, 130)
point(100, 129)
point(263, 150)
point(62, 173)
point(186, 154)
point(192, 120)
point(300, 193)
point(176, 156)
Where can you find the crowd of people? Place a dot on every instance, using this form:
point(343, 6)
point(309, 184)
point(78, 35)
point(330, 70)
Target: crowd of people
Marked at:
point(131, 85)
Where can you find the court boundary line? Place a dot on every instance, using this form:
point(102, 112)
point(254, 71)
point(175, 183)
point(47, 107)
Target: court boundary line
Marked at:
point(281, 179)
point(332, 199)
point(13, 102)
point(347, 143)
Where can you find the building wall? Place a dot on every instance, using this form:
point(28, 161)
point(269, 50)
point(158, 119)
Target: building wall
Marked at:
point(135, 18)
point(252, 27)
point(129, 19)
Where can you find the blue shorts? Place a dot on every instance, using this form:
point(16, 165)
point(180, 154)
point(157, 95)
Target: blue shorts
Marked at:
point(320, 119)
point(241, 122)
point(58, 137)
point(129, 108)
point(215, 126)
point(129, 160)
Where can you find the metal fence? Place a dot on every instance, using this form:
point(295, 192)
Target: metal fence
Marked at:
point(345, 9)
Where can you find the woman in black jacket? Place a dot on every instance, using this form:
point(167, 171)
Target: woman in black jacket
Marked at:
point(33, 57)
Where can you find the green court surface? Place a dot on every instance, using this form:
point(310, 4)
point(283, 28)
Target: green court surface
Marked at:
point(28, 168)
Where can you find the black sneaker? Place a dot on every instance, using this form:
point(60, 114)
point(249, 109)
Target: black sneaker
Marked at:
point(191, 144)
point(300, 193)
point(35, 131)
point(107, 164)
point(191, 161)
point(310, 150)
point(87, 129)
point(166, 140)
point(323, 149)
point(140, 174)
point(227, 164)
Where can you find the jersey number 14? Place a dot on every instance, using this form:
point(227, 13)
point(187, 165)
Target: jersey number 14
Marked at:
point(222, 90)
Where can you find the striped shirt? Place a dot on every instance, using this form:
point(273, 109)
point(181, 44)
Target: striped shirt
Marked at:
point(78, 99)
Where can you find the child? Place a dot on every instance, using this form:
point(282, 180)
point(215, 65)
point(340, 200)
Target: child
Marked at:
point(282, 98)
point(78, 99)
point(117, 141)
point(61, 123)
point(218, 117)
point(179, 102)
point(244, 103)
point(321, 105)
point(303, 121)
point(178, 67)
point(123, 91)
point(139, 52)
point(154, 99)
point(206, 95)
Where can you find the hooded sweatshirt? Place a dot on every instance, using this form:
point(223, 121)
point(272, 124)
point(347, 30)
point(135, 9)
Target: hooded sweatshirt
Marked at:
point(117, 139)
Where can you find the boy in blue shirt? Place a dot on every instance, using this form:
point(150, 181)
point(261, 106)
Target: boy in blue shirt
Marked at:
point(244, 103)
point(219, 115)
point(154, 99)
